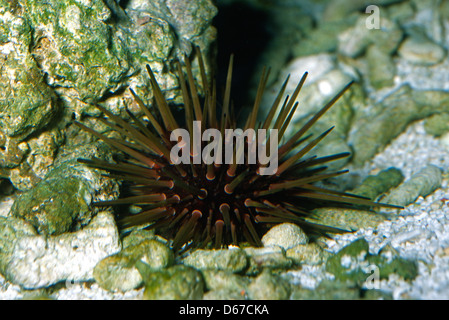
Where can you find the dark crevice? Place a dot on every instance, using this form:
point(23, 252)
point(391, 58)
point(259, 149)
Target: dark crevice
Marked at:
point(244, 32)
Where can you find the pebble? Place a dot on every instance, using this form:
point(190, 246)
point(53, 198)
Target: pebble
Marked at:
point(422, 184)
point(285, 235)
point(421, 50)
point(233, 260)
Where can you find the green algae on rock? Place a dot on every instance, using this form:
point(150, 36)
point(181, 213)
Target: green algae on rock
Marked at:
point(266, 258)
point(374, 130)
point(74, 46)
point(57, 204)
point(310, 254)
point(27, 103)
point(337, 290)
point(234, 260)
point(437, 124)
point(422, 183)
point(225, 280)
point(375, 185)
point(354, 263)
point(118, 272)
point(348, 219)
point(267, 286)
point(175, 283)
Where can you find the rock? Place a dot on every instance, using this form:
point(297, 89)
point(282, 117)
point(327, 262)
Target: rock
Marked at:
point(285, 235)
point(232, 260)
point(322, 38)
point(266, 258)
point(375, 185)
point(337, 290)
point(27, 103)
point(224, 294)
point(341, 9)
point(438, 124)
point(381, 68)
point(119, 272)
point(310, 254)
point(175, 283)
point(355, 40)
point(59, 203)
point(373, 131)
point(324, 81)
point(61, 59)
point(422, 184)
point(268, 287)
point(225, 280)
point(420, 50)
point(347, 219)
point(36, 261)
point(355, 264)
point(75, 47)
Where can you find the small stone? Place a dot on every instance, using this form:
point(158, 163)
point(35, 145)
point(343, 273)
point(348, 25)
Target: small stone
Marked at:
point(119, 272)
point(420, 50)
point(381, 68)
point(219, 280)
point(233, 260)
point(422, 184)
point(438, 124)
point(57, 204)
point(347, 219)
point(310, 254)
point(354, 41)
point(266, 258)
point(224, 294)
point(36, 261)
point(179, 282)
point(375, 185)
point(268, 287)
point(285, 235)
point(354, 263)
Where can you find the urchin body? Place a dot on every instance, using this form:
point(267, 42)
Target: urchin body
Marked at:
point(197, 204)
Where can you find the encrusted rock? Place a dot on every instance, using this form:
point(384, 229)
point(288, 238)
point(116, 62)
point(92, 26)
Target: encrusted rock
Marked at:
point(421, 50)
point(375, 185)
point(119, 272)
point(285, 235)
point(422, 184)
point(311, 254)
point(225, 280)
point(233, 260)
point(347, 219)
point(58, 204)
point(355, 263)
point(268, 287)
point(438, 124)
point(175, 283)
point(266, 258)
point(36, 261)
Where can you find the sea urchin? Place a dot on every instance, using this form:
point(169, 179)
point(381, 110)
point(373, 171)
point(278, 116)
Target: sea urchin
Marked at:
point(199, 204)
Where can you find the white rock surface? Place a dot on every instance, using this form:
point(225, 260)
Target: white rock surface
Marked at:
point(38, 261)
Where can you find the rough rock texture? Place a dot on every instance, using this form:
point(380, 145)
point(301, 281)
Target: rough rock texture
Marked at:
point(57, 59)
point(35, 261)
point(422, 184)
point(285, 235)
point(234, 260)
point(118, 272)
